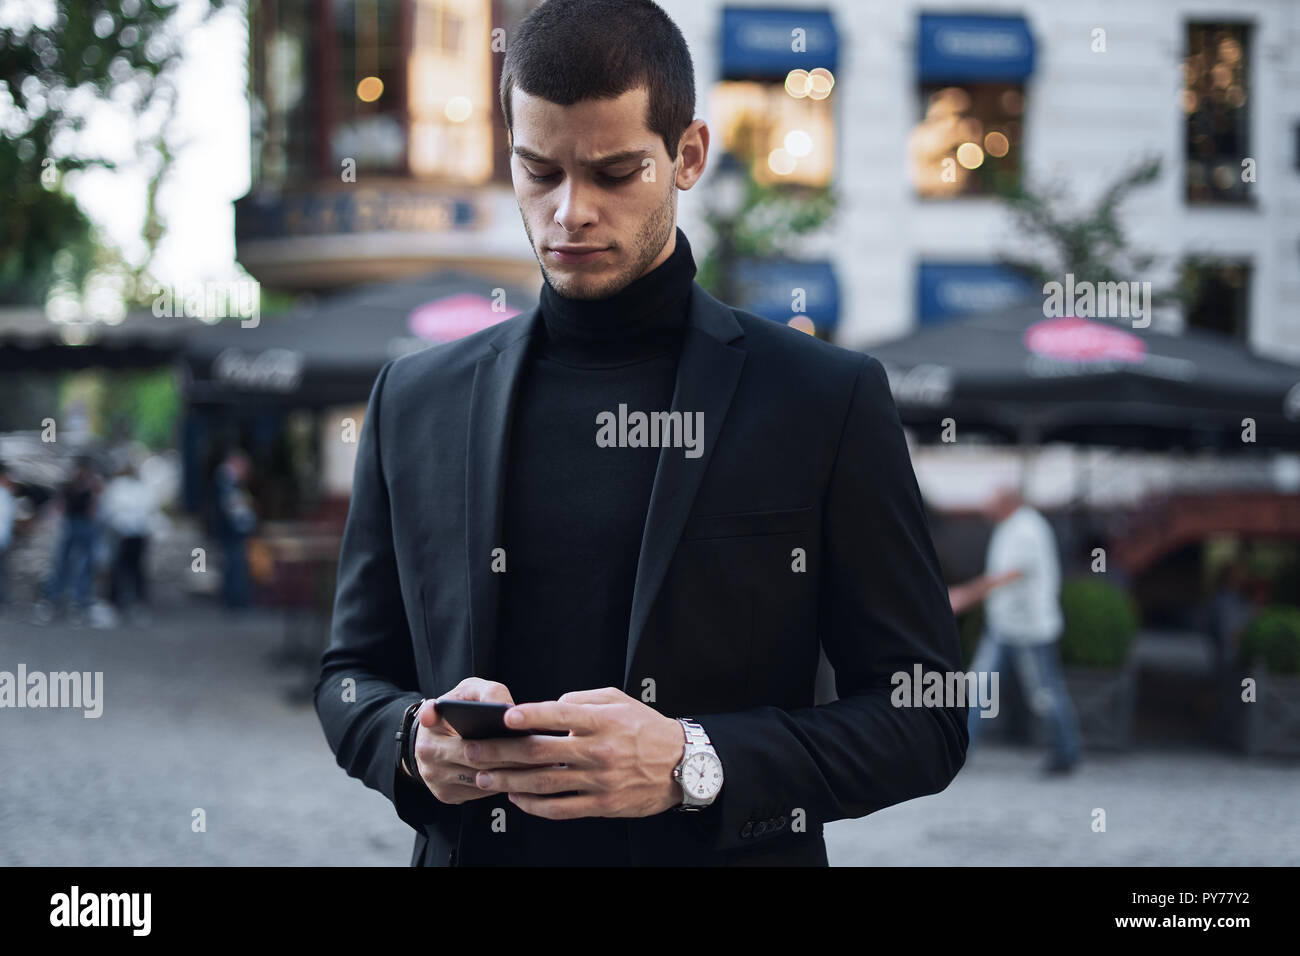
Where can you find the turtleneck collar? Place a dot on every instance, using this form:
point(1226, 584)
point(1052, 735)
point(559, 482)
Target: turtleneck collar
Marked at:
point(651, 310)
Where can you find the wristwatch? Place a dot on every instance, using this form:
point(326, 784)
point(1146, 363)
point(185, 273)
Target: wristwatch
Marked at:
point(406, 740)
point(700, 772)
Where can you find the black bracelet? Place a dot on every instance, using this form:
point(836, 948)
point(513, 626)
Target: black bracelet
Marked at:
point(406, 740)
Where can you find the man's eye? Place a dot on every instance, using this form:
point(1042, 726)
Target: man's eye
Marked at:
point(605, 176)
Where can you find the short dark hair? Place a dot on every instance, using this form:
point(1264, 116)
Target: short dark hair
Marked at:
point(566, 51)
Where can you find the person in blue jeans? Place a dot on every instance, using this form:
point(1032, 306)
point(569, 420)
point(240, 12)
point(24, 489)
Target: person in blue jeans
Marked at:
point(236, 519)
point(1023, 623)
point(74, 556)
point(1038, 668)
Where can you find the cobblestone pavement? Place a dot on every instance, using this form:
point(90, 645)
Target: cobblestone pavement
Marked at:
point(196, 716)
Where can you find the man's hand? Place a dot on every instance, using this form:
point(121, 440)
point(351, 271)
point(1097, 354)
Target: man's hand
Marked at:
point(440, 751)
point(617, 761)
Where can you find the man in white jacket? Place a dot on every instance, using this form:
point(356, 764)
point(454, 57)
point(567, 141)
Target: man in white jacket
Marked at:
point(129, 509)
point(1023, 621)
point(7, 517)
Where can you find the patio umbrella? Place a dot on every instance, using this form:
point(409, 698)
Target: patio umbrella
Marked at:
point(1032, 379)
point(328, 352)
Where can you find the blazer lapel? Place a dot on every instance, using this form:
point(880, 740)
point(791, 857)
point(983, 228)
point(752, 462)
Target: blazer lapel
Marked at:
point(707, 375)
point(491, 407)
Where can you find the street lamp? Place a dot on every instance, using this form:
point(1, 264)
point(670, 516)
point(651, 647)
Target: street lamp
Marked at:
point(730, 189)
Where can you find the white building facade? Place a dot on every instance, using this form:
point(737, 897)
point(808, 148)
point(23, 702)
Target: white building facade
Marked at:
point(1097, 87)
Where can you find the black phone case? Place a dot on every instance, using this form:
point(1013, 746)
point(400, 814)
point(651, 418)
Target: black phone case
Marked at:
point(477, 719)
point(480, 720)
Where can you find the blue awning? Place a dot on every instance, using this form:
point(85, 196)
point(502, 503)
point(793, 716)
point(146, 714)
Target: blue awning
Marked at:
point(767, 287)
point(945, 290)
point(974, 48)
point(763, 42)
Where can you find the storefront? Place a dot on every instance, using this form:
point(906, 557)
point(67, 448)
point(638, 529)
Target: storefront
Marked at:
point(292, 392)
point(972, 72)
point(378, 145)
point(773, 109)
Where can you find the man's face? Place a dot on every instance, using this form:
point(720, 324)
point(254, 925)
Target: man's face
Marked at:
point(625, 204)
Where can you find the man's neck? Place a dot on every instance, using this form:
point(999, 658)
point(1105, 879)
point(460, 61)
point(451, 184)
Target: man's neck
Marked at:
point(653, 305)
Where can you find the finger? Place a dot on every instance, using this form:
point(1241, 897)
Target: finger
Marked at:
point(603, 695)
point(476, 688)
point(458, 775)
point(559, 808)
point(539, 780)
point(535, 750)
point(433, 721)
point(456, 785)
point(553, 715)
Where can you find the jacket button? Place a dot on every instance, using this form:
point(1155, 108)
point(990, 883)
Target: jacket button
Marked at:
point(747, 830)
point(761, 828)
point(780, 823)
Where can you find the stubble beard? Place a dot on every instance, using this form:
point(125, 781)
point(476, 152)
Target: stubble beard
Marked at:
point(650, 240)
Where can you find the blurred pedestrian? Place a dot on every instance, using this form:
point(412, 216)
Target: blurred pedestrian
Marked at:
point(1230, 611)
point(1023, 622)
point(966, 595)
point(129, 511)
point(8, 515)
point(73, 566)
point(235, 522)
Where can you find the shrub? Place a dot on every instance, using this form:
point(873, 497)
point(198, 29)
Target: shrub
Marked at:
point(1101, 620)
point(1273, 637)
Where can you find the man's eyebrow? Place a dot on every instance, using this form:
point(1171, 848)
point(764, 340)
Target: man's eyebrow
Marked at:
point(612, 159)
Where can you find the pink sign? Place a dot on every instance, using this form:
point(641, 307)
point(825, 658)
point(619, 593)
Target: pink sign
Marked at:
point(445, 320)
point(1076, 339)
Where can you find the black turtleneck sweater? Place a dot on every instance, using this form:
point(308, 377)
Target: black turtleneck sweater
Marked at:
point(574, 517)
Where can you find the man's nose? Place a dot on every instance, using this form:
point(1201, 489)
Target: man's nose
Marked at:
point(576, 210)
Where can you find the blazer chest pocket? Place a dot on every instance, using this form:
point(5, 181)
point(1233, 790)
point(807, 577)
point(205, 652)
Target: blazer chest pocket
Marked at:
point(747, 523)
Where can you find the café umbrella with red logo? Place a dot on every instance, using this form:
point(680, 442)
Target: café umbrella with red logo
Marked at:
point(1033, 379)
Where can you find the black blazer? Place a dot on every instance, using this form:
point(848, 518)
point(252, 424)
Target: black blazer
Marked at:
point(800, 526)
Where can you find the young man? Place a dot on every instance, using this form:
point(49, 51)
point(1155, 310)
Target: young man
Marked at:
point(659, 593)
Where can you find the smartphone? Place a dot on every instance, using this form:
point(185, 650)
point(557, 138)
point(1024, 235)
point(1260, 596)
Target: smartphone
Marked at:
point(477, 719)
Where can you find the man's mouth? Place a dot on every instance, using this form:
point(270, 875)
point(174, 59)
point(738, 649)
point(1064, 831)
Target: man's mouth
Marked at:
point(576, 254)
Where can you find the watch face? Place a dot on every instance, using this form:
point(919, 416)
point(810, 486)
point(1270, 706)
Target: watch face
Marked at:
point(702, 775)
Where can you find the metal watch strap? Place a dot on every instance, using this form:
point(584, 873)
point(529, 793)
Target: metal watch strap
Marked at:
point(406, 740)
point(695, 737)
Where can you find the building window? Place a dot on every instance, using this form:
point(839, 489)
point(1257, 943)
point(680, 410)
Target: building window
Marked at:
point(368, 80)
point(1216, 94)
point(971, 72)
point(968, 139)
point(773, 107)
point(285, 99)
point(453, 89)
point(1217, 293)
point(784, 129)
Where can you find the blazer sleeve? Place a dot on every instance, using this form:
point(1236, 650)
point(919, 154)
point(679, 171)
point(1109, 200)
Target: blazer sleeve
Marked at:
point(883, 608)
point(368, 675)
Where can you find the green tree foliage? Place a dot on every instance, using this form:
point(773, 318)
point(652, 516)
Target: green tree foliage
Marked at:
point(769, 218)
point(53, 72)
point(1088, 240)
